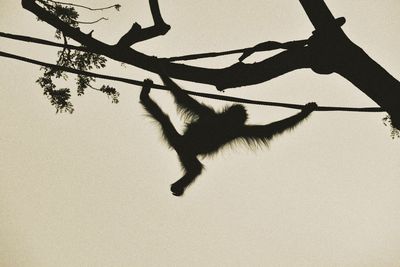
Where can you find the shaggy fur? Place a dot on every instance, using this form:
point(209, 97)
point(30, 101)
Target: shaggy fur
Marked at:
point(207, 131)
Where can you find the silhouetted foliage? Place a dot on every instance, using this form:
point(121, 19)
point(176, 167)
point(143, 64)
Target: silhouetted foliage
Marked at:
point(394, 133)
point(59, 98)
point(75, 59)
point(111, 93)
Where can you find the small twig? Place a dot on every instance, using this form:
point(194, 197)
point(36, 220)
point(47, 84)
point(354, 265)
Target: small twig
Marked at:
point(93, 88)
point(116, 6)
point(206, 95)
point(207, 55)
point(272, 45)
point(91, 22)
point(266, 46)
point(65, 43)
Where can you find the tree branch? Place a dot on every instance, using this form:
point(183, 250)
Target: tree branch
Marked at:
point(272, 45)
point(200, 94)
point(266, 46)
point(137, 34)
point(332, 51)
point(319, 14)
point(234, 76)
point(207, 55)
point(91, 22)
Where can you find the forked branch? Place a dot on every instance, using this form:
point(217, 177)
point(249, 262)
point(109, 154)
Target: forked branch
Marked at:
point(137, 34)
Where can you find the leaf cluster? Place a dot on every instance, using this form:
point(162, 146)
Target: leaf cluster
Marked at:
point(79, 60)
point(394, 132)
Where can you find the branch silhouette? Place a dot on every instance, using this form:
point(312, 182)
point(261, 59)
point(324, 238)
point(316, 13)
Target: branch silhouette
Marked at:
point(91, 22)
point(223, 78)
point(200, 94)
point(137, 34)
point(328, 50)
point(266, 46)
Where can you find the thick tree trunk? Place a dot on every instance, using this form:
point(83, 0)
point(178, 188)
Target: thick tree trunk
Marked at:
point(373, 80)
point(332, 51)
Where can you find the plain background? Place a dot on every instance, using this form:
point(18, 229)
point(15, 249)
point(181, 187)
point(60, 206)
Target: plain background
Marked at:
point(92, 188)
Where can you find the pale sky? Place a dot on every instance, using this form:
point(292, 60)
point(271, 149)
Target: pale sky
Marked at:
point(92, 188)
